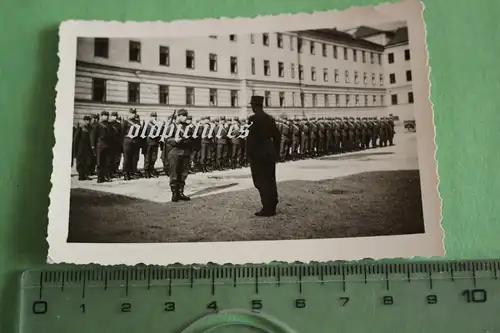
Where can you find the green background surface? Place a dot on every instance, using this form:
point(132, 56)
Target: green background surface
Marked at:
point(463, 36)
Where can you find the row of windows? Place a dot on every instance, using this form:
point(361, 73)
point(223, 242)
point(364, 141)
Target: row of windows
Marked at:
point(392, 77)
point(101, 49)
point(133, 96)
point(394, 98)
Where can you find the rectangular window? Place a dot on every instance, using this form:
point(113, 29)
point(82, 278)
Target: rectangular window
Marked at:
point(312, 46)
point(374, 80)
point(356, 100)
point(366, 100)
point(374, 100)
point(314, 100)
point(382, 100)
point(293, 98)
point(133, 92)
point(325, 74)
point(253, 66)
point(346, 56)
point(363, 55)
point(347, 100)
point(281, 69)
point(98, 90)
point(292, 70)
point(394, 99)
point(325, 53)
point(189, 96)
point(380, 59)
point(337, 100)
point(301, 72)
point(407, 54)
point(365, 78)
point(234, 65)
point(408, 76)
point(372, 58)
point(101, 47)
point(265, 39)
point(164, 56)
point(279, 40)
point(313, 73)
point(212, 62)
point(232, 38)
point(252, 39)
point(327, 101)
point(267, 99)
point(410, 97)
point(302, 100)
point(282, 99)
point(134, 51)
point(381, 79)
point(390, 58)
point(163, 94)
point(335, 52)
point(356, 78)
point(190, 59)
point(292, 40)
point(392, 78)
point(213, 97)
point(267, 68)
point(337, 76)
point(354, 55)
point(234, 98)
point(346, 76)
point(299, 44)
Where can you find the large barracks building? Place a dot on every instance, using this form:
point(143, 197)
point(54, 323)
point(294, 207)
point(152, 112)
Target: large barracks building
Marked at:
point(364, 72)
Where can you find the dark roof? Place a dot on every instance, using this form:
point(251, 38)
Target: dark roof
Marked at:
point(339, 36)
point(399, 36)
point(364, 31)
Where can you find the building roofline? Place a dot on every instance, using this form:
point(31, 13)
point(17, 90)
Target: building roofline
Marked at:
point(343, 37)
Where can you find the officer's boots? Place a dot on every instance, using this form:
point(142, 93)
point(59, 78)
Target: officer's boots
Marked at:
point(175, 193)
point(182, 196)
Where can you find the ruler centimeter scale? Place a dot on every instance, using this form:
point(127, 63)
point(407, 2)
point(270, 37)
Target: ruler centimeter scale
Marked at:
point(460, 296)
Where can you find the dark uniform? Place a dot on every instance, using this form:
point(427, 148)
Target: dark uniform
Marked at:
point(153, 135)
point(179, 157)
point(263, 144)
point(130, 144)
point(102, 139)
point(116, 146)
point(83, 149)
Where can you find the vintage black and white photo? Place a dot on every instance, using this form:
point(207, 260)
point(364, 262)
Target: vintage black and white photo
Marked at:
point(290, 137)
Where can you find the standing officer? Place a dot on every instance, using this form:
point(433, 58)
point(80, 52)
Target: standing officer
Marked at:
point(102, 139)
point(179, 157)
point(115, 150)
point(263, 144)
point(83, 149)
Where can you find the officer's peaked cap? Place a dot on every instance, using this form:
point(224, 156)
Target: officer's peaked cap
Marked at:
point(153, 114)
point(257, 100)
point(114, 114)
point(104, 113)
point(182, 112)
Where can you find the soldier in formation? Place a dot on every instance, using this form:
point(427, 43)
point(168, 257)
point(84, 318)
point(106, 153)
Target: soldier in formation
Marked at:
point(103, 142)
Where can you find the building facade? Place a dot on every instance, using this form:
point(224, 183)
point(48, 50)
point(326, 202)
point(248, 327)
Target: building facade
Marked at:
point(308, 73)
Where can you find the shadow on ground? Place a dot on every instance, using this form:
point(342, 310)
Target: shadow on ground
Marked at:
point(367, 204)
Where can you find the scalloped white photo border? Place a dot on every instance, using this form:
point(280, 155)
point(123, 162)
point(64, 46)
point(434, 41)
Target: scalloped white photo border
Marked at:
point(403, 246)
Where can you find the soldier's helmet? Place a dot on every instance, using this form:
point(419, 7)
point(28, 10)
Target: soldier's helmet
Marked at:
point(104, 113)
point(223, 118)
point(216, 119)
point(133, 111)
point(190, 117)
point(114, 114)
point(87, 117)
point(153, 114)
point(182, 112)
point(236, 118)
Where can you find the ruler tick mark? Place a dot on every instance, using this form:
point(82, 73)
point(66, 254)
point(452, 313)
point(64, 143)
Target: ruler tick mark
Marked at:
point(343, 279)
point(474, 276)
point(386, 280)
point(40, 292)
point(191, 278)
point(84, 284)
point(408, 277)
point(234, 279)
point(451, 274)
point(126, 284)
point(322, 274)
point(365, 275)
point(213, 283)
point(170, 286)
point(149, 278)
point(430, 279)
point(300, 282)
point(62, 282)
point(105, 280)
point(257, 283)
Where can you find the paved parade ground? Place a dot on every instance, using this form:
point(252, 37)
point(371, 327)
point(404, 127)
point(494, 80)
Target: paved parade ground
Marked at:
point(367, 193)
